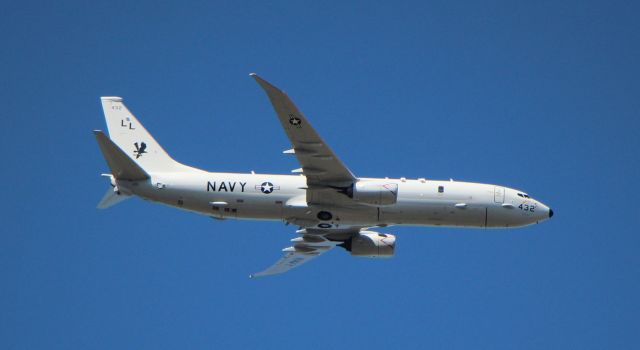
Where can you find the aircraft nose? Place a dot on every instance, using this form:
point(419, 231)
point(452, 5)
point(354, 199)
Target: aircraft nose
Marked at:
point(550, 213)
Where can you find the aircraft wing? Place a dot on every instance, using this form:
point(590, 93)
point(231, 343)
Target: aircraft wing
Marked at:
point(313, 243)
point(304, 249)
point(319, 164)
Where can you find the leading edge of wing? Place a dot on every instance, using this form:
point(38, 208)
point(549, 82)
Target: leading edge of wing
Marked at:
point(319, 163)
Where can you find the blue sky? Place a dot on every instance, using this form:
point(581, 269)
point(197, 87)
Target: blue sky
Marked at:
point(541, 96)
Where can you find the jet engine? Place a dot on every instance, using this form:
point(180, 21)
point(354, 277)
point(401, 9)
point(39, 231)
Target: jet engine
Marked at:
point(371, 244)
point(374, 192)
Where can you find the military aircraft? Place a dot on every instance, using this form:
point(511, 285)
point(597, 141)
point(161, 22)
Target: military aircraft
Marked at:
point(328, 203)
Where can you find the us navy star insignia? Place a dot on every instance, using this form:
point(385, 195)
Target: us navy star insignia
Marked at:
point(295, 121)
point(267, 187)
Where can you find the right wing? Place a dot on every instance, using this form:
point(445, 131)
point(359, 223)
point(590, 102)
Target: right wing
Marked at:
point(304, 249)
point(313, 243)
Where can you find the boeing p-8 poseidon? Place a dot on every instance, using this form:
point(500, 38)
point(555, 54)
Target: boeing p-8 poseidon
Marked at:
point(330, 205)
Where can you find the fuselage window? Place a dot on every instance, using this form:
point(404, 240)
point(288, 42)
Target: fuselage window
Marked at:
point(440, 189)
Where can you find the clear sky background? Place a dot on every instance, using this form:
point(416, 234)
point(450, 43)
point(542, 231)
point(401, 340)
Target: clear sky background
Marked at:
point(542, 96)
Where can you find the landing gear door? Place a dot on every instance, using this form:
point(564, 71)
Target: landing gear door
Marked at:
point(498, 195)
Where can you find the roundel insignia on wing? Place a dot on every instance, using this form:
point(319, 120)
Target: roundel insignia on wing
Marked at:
point(295, 121)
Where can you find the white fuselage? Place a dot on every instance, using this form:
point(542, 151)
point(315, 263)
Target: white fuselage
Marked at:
point(279, 197)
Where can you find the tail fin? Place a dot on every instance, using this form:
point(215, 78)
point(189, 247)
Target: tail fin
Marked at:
point(132, 138)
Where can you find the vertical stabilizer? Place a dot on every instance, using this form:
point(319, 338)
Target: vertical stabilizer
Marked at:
point(128, 133)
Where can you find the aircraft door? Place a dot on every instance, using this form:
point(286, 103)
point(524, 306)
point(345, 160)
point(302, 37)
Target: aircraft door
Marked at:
point(498, 195)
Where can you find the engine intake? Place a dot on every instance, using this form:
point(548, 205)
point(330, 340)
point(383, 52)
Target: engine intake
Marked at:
point(371, 245)
point(375, 193)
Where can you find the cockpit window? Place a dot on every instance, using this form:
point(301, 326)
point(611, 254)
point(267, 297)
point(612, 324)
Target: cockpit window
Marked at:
point(523, 195)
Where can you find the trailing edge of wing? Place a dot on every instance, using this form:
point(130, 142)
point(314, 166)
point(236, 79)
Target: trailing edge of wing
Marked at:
point(319, 164)
point(121, 165)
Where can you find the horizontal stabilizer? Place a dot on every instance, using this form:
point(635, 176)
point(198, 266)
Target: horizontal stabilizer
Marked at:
point(111, 198)
point(121, 165)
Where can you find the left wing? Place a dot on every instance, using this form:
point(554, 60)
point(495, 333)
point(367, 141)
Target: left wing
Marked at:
point(303, 249)
point(319, 164)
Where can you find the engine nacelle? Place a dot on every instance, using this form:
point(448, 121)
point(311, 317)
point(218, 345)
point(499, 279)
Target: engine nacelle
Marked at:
point(372, 245)
point(375, 192)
